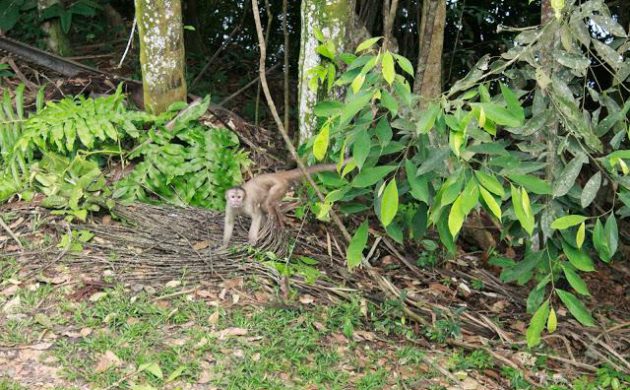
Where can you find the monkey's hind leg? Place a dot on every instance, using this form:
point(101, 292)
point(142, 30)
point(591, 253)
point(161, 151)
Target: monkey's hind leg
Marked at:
point(276, 192)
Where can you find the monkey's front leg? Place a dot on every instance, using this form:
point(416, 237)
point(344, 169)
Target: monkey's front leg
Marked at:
point(254, 228)
point(228, 226)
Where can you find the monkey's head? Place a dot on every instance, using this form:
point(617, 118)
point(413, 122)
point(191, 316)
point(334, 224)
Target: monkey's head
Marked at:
point(235, 197)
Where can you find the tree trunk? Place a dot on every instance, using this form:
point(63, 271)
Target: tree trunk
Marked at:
point(428, 83)
point(161, 53)
point(332, 17)
point(57, 42)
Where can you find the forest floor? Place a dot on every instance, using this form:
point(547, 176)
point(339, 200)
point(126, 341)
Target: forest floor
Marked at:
point(65, 324)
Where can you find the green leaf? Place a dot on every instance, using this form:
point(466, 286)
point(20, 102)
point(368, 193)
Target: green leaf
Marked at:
point(328, 108)
point(552, 321)
point(389, 203)
point(357, 83)
point(418, 184)
point(537, 325)
point(492, 204)
point(354, 105)
point(445, 234)
point(85, 135)
point(522, 209)
point(470, 196)
point(361, 148)
point(600, 242)
point(367, 44)
point(456, 217)
point(578, 258)
point(513, 104)
point(320, 145)
point(404, 64)
point(389, 73)
point(152, 368)
point(531, 183)
point(435, 159)
point(490, 183)
point(580, 235)
point(576, 307)
point(368, 177)
point(383, 131)
point(575, 280)
point(427, 119)
point(590, 189)
point(500, 115)
point(389, 102)
point(567, 221)
point(356, 246)
point(176, 374)
point(612, 234)
point(568, 176)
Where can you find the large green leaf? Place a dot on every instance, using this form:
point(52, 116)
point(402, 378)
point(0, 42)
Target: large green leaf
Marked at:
point(389, 203)
point(357, 244)
point(361, 148)
point(522, 209)
point(568, 176)
point(389, 73)
point(578, 258)
point(531, 183)
point(492, 204)
point(576, 307)
point(575, 280)
point(456, 217)
point(500, 115)
point(590, 189)
point(537, 324)
point(371, 176)
point(490, 183)
point(567, 221)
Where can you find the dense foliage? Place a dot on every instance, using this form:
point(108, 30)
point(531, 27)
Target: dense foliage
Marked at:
point(61, 150)
point(530, 138)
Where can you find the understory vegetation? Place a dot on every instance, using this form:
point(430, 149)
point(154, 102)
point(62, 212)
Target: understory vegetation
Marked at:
point(529, 145)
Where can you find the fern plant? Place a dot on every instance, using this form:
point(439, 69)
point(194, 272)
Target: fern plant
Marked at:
point(78, 123)
point(193, 166)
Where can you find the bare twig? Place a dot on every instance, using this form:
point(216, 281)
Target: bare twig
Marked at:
point(131, 35)
point(8, 230)
point(246, 86)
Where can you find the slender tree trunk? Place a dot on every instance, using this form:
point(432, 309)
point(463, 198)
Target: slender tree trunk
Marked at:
point(57, 41)
point(161, 53)
point(333, 18)
point(428, 83)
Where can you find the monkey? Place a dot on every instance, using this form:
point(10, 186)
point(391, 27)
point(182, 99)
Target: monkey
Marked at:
point(259, 196)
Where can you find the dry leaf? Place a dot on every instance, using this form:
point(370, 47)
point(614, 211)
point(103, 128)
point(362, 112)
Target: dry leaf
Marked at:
point(307, 299)
point(201, 245)
point(12, 306)
point(173, 284)
point(230, 332)
point(85, 332)
point(222, 294)
point(235, 299)
point(256, 357)
point(499, 306)
point(439, 288)
point(9, 291)
point(213, 319)
point(204, 293)
point(360, 335)
point(97, 296)
point(238, 353)
point(106, 361)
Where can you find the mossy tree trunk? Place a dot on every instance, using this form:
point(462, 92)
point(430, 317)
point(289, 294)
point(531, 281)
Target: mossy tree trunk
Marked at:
point(334, 19)
point(57, 42)
point(161, 53)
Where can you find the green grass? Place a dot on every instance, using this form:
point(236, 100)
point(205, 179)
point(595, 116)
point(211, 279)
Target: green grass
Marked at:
point(161, 343)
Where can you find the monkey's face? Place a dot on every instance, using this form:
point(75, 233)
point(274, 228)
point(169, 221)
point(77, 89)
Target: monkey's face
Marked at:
point(235, 198)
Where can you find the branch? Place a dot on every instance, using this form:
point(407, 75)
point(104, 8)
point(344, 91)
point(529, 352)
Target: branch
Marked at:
point(278, 120)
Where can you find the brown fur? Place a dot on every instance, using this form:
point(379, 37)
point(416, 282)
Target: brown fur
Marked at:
point(259, 196)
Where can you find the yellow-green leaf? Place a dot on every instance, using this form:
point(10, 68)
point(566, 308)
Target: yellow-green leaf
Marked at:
point(389, 203)
point(456, 217)
point(367, 44)
point(552, 321)
point(388, 68)
point(492, 204)
point(522, 209)
point(537, 324)
point(356, 246)
point(576, 307)
point(580, 235)
point(320, 145)
point(357, 83)
point(567, 221)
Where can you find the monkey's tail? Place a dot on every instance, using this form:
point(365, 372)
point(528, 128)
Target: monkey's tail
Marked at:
point(297, 173)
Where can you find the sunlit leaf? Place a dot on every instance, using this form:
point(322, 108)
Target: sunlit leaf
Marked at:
point(577, 258)
point(576, 307)
point(356, 246)
point(389, 203)
point(567, 221)
point(537, 324)
point(320, 144)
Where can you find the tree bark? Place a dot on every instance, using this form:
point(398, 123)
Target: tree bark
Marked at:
point(161, 53)
point(57, 42)
point(428, 83)
point(333, 18)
